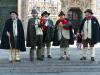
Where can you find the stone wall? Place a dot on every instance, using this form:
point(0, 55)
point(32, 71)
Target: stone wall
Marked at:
point(82, 4)
point(22, 6)
point(65, 6)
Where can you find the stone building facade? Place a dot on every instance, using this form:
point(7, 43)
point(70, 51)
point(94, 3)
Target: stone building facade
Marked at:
point(24, 8)
point(66, 5)
point(81, 4)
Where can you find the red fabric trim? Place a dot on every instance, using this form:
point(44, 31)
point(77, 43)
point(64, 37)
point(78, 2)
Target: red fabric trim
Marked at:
point(64, 21)
point(42, 21)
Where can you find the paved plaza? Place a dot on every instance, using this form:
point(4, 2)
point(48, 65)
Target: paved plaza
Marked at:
point(51, 66)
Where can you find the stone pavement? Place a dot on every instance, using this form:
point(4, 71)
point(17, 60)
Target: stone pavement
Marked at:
point(50, 66)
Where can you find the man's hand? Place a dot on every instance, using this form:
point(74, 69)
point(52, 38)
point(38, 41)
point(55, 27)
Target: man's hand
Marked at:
point(60, 24)
point(82, 33)
point(8, 34)
point(78, 33)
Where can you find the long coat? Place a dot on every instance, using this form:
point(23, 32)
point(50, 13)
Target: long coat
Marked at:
point(56, 40)
point(95, 29)
point(20, 37)
point(31, 33)
point(48, 31)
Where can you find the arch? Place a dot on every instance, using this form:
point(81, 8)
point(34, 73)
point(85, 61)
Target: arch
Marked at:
point(75, 15)
point(75, 12)
point(5, 7)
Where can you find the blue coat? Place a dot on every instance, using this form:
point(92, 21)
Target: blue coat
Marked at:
point(20, 38)
point(95, 29)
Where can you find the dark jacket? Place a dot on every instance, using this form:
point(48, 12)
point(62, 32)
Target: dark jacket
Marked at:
point(56, 41)
point(31, 38)
point(31, 33)
point(95, 29)
point(20, 37)
point(48, 32)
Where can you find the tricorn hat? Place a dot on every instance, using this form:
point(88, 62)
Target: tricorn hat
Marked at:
point(14, 12)
point(45, 13)
point(89, 11)
point(61, 13)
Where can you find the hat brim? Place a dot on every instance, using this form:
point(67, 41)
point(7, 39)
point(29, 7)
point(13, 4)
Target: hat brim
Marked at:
point(89, 12)
point(45, 14)
point(61, 14)
point(33, 13)
point(14, 12)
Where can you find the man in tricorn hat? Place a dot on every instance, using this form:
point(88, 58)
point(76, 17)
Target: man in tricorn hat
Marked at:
point(89, 30)
point(48, 27)
point(13, 37)
point(65, 36)
point(34, 35)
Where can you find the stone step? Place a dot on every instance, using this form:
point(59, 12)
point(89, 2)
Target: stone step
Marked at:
point(53, 66)
point(50, 66)
point(52, 69)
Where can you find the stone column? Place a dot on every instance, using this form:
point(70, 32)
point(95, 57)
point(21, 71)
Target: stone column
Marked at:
point(22, 11)
point(93, 6)
point(19, 8)
point(64, 6)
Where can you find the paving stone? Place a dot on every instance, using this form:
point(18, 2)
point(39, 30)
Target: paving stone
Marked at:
point(50, 66)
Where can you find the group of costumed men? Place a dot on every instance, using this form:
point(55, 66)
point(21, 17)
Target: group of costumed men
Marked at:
point(41, 32)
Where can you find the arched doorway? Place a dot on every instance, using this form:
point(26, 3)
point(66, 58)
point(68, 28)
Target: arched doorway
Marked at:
point(75, 17)
point(5, 7)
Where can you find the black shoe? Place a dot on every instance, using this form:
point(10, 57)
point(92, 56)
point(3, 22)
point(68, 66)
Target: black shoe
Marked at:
point(83, 58)
point(10, 61)
point(41, 59)
point(42, 56)
point(67, 58)
point(31, 59)
point(49, 56)
point(18, 60)
point(92, 59)
point(61, 58)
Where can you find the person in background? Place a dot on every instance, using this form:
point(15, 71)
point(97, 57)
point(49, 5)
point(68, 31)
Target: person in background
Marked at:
point(13, 37)
point(79, 41)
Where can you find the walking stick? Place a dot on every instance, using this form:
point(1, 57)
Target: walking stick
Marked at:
point(10, 48)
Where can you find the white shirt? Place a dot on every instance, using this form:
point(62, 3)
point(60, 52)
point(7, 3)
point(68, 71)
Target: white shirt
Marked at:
point(87, 29)
point(15, 32)
point(38, 29)
point(64, 33)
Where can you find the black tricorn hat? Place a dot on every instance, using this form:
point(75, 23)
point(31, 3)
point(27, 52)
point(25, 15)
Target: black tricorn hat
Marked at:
point(89, 11)
point(61, 13)
point(13, 12)
point(45, 13)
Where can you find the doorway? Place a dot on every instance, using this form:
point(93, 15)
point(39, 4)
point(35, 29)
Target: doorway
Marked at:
point(5, 7)
point(75, 16)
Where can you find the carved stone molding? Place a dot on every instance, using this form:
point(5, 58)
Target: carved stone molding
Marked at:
point(82, 4)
